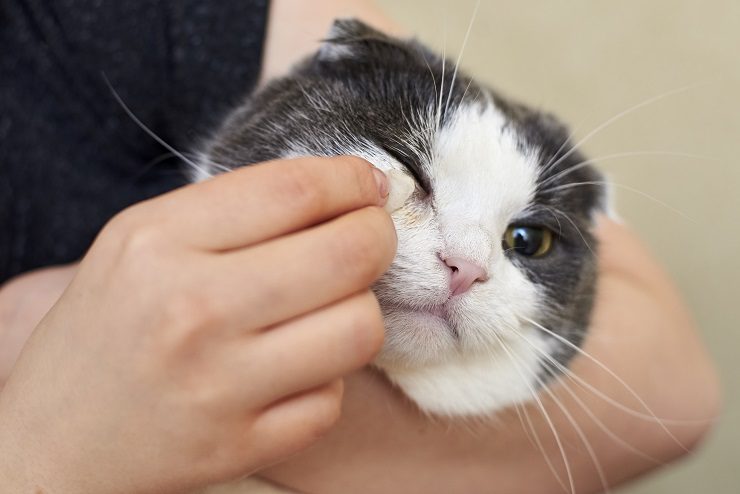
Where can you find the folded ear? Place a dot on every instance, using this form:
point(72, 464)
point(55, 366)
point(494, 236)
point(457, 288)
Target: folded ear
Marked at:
point(350, 38)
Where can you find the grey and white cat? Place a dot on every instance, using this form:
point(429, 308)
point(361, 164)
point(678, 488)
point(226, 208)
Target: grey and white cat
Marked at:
point(495, 273)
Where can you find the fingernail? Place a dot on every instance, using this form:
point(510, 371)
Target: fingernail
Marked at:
point(382, 181)
point(402, 186)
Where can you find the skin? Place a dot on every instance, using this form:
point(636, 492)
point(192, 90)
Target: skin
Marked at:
point(210, 372)
point(641, 332)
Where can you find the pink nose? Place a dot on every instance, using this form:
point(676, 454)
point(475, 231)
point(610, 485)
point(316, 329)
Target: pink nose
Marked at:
point(464, 274)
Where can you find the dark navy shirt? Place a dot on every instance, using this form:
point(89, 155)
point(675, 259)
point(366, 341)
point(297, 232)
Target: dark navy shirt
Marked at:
point(70, 158)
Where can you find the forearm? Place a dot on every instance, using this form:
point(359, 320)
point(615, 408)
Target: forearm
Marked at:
point(296, 28)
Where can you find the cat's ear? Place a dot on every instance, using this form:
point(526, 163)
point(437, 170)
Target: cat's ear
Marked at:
point(350, 38)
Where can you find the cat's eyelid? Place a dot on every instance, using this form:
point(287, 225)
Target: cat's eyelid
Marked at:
point(537, 217)
point(402, 186)
point(415, 171)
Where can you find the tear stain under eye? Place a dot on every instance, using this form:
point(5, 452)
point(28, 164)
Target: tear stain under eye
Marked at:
point(401, 186)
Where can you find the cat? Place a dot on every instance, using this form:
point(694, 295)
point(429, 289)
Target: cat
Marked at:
point(492, 287)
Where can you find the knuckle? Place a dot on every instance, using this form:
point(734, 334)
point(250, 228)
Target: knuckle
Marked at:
point(116, 229)
point(132, 249)
point(318, 418)
point(326, 413)
point(126, 220)
point(364, 332)
point(133, 237)
point(368, 328)
point(385, 231)
point(190, 310)
point(200, 392)
point(146, 240)
point(184, 336)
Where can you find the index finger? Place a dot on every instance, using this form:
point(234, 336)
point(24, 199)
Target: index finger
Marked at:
point(260, 202)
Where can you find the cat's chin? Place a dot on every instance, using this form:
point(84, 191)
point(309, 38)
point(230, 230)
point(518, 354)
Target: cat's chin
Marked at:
point(416, 338)
point(475, 385)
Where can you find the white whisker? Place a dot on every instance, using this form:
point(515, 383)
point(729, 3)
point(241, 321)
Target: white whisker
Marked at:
point(570, 220)
point(581, 435)
point(608, 157)
point(462, 50)
point(146, 129)
point(617, 117)
point(159, 159)
point(520, 409)
point(622, 186)
point(564, 371)
point(442, 82)
point(621, 381)
point(534, 439)
point(547, 418)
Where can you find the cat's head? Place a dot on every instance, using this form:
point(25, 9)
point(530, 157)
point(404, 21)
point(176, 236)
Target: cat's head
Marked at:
point(494, 278)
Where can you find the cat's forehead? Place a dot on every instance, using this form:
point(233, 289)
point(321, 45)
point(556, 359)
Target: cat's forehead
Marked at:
point(480, 166)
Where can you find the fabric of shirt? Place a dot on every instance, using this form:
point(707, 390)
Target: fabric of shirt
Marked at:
point(70, 157)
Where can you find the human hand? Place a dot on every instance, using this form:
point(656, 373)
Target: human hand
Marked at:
point(204, 334)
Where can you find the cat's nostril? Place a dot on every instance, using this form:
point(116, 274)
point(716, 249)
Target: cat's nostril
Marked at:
point(463, 274)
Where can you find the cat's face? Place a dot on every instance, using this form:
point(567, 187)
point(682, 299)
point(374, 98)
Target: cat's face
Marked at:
point(494, 277)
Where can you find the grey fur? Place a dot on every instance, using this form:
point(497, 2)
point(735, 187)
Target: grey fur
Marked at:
point(364, 90)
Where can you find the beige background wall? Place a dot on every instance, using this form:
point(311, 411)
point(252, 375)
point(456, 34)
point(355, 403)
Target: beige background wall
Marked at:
point(589, 60)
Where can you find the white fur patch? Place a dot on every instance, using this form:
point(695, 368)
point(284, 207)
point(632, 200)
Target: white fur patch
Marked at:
point(476, 363)
point(477, 385)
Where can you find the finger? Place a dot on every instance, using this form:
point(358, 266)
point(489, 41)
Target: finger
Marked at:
point(263, 201)
point(295, 423)
point(310, 350)
point(278, 280)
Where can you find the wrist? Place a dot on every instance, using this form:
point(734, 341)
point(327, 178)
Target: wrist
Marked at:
point(15, 471)
point(24, 300)
point(26, 465)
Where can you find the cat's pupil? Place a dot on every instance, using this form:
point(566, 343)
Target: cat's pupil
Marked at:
point(527, 241)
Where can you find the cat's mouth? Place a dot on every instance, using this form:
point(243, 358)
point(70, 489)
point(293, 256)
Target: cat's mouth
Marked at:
point(437, 311)
point(436, 317)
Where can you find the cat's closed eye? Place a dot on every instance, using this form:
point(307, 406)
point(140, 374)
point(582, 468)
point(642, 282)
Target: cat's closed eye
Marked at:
point(468, 330)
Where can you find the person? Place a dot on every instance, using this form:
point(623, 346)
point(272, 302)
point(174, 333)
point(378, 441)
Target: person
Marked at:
point(184, 349)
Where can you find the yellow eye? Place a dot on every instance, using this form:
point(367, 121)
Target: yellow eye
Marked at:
point(528, 241)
